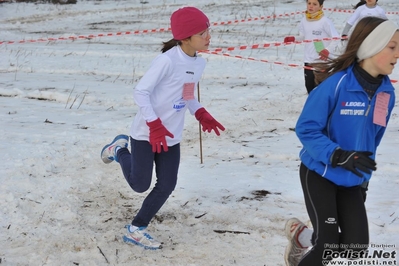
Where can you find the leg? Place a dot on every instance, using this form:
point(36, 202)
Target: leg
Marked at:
point(309, 79)
point(117, 151)
point(320, 200)
point(166, 168)
point(352, 219)
point(137, 167)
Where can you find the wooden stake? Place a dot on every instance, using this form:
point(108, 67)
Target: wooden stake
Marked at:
point(200, 131)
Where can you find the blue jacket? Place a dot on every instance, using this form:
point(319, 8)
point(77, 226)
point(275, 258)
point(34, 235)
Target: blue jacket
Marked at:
point(339, 113)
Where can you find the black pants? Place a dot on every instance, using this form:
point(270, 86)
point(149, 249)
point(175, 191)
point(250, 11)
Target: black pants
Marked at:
point(309, 78)
point(338, 216)
point(137, 167)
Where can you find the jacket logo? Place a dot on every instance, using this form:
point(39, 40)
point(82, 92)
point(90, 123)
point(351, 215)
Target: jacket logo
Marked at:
point(353, 104)
point(190, 72)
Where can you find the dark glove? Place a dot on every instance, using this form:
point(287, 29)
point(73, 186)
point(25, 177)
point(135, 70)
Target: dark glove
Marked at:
point(207, 121)
point(289, 39)
point(158, 133)
point(354, 161)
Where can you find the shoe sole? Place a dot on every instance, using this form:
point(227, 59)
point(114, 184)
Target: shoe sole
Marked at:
point(286, 255)
point(108, 160)
point(131, 241)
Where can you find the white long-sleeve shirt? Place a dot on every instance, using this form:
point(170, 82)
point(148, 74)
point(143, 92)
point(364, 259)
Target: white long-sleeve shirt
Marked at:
point(361, 12)
point(318, 29)
point(365, 11)
point(166, 91)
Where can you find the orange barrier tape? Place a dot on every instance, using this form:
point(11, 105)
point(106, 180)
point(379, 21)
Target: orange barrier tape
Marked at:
point(259, 60)
point(91, 36)
point(266, 61)
point(273, 44)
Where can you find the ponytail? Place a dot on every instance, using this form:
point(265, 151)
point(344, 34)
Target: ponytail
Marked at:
point(169, 44)
point(362, 2)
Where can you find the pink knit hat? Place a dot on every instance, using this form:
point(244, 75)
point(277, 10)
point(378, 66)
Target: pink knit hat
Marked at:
point(187, 21)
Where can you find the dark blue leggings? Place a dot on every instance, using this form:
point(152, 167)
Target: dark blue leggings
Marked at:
point(338, 216)
point(137, 167)
point(310, 82)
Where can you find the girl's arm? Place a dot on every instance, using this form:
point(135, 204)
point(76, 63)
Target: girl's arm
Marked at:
point(332, 33)
point(194, 105)
point(311, 126)
point(302, 31)
point(159, 68)
point(355, 16)
point(383, 14)
point(346, 30)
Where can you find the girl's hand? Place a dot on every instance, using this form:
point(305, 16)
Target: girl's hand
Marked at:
point(158, 133)
point(324, 54)
point(207, 122)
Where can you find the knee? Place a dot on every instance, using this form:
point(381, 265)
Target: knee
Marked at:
point(139, 189)
point(165, 189)
point(139, 183)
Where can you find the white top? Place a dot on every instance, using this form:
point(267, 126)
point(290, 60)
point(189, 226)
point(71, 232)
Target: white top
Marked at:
point(318, 29)
point(365, 11)
point(159, 93)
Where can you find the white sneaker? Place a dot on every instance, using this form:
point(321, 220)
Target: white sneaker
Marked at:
point(108, 152)
point(141, 238)
point(294, 251)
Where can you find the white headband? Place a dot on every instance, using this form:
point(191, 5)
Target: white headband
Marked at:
point(376, 40)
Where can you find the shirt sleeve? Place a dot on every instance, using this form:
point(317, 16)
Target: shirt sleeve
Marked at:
point(347, 28)
point(355, 16)
point(332, 33)
point(311, 126)
point(193, 106)
point(382, 14)
point(159, 68)
point(301, 31)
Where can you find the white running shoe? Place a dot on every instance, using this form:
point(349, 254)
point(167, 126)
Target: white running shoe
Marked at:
point(108, 152)
point(141, 238)
point(294, 251)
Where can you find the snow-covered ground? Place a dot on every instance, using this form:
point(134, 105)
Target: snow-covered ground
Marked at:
point(61, 100)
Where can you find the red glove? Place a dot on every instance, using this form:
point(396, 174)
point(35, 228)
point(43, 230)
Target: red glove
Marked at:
point(158, 133)
point(289, 39)
point(324, 54)
point(207, 121)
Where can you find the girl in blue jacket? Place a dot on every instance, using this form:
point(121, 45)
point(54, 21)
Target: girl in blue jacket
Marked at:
point(340, 128)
